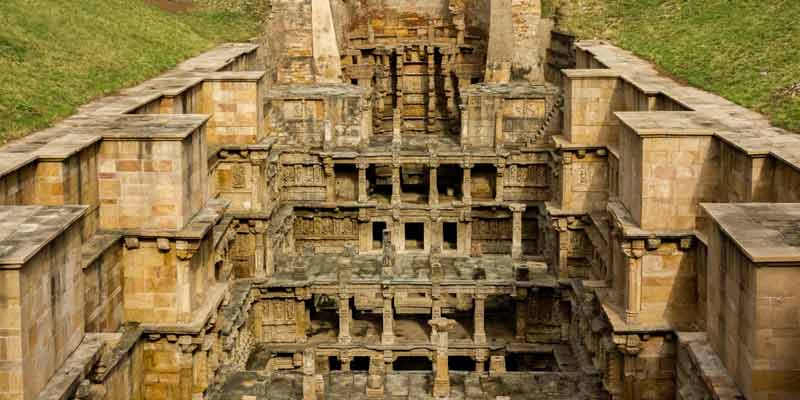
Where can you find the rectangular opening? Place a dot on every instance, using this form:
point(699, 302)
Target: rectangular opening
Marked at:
point(449, 179)
point(531, 362)
point(346, 182)
point(530, 231)
point(377, 234)
point(379, 188)
point(484, 178)
point(461, 363)
point(414, 183)
point(450, 235)
point(359, 363)
point(334, 364)
point(412, 363)
point(324, 319)
point(415, 236)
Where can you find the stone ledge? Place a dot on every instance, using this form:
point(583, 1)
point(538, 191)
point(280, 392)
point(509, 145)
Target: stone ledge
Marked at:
point(66, 380)
point(24, 230)
point(712, 371)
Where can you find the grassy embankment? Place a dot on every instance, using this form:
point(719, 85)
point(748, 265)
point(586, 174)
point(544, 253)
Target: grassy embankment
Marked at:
point(56, 55)
point(747, 51)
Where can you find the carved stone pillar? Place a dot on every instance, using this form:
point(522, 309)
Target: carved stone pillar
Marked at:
point(375, 386)
point(441, 382)
point(499, 192)
point(521, 319)
point(184, 252)
point(436, 310)
point(466, 185)
point(464, 125)
point(397, 126)
point(186, 351)
point(344, 319)
point(300, 321)
point(309, 380)
point(396, 189)
point(330, 181)
point(257, 229)
point(633, 293)
point(433, 188)
point(498, 125)
point(479, 314)
point(387, 336)
point(516, 230)
point(562, 250)
point(362, 181)
point(481, 355)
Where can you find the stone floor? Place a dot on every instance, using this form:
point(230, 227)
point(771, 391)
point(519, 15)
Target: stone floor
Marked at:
point(248, 385)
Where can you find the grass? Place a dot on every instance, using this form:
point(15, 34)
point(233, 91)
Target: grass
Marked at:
point(56, 55)
point(747, 51)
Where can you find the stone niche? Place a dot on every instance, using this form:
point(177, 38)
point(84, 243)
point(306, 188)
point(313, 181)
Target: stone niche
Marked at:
point(43, 301)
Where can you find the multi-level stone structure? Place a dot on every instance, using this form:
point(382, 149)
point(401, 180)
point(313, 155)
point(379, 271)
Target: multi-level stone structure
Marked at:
point(403, 200)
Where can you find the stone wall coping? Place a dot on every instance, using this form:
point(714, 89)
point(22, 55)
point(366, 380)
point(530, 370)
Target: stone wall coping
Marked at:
point(123, 343)
point(667, 123)
point(315, 91)
point(24, 230)
point(590, 73)
point(11, 162)
point(234, 76)
point(512, 90)
point(64, 383)
point(65, 147)
point(201, 316)
point(765, 232)
point(622, 218)
point(712, 370)
point(97, 246)
point(218, 58)
point(747, 130)
point(137, 127)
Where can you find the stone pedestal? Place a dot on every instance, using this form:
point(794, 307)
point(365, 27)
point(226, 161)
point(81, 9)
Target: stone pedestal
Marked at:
point(375, 386)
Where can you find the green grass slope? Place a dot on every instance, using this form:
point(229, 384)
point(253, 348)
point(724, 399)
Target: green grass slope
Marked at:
point(56, 55)
point(747, 51)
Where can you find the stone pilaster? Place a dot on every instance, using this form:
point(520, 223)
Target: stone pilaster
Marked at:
point(433, 180)
point(466, 185)
point(516, 228)
point(387, 335)
point(633, 289)
point(479, 315)
point(185, 252)
point(362, 181)
point(309, 379)
point(330, 181)
point(396, 189)
point(344, 319)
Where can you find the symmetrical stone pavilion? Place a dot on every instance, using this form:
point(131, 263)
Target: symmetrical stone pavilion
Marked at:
point(403, 200)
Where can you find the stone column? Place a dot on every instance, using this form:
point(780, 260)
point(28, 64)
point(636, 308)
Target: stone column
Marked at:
point(516, 228)
point(498, 125)
point(375, 386)
point(521, 319)
point(300, 320)
point(479, 314)
point(362, 181)
point(481, 355)
point(387, 336)
point(258, 230)
point(433, 188)
point(466, 185)
point(344, 319)
point(397, 126)
point(330, 181)
point(562, 250)
point(396, 189)
point(499, 192)
point(633, 293)
point(436, 310)
point(441, 382)
point(186, 351)
point(309, 380)
point(185, 251)
point(464, 124)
